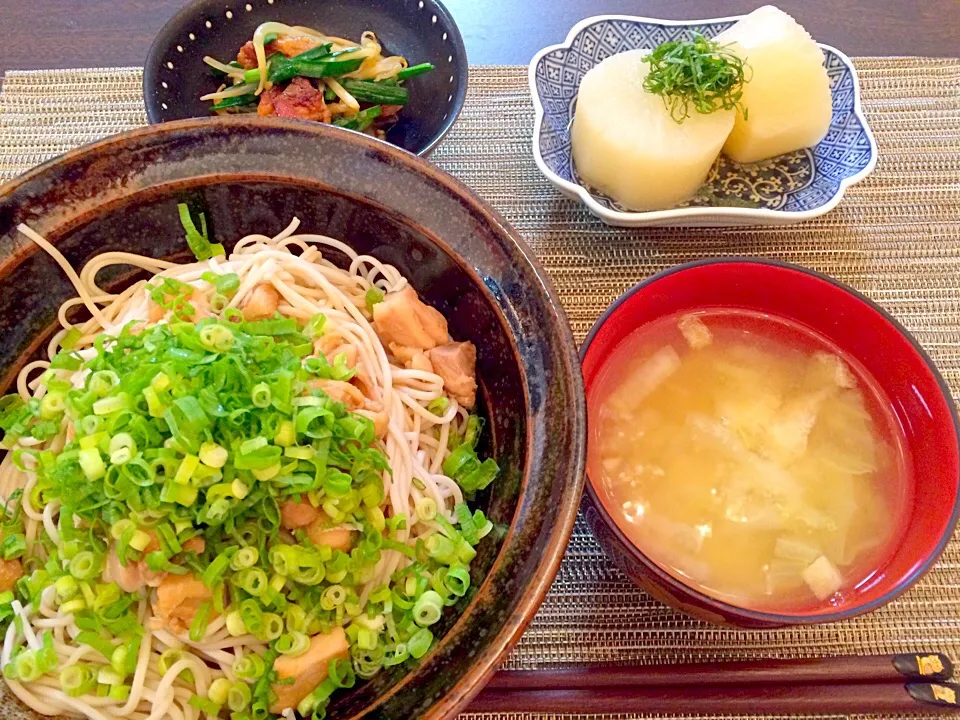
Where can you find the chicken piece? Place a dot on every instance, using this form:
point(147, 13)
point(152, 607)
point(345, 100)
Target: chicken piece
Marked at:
point(130, 578)
point(330, 346)
point(381, 418)
point(299, 515)
point(307, 670)
point(178, 599)
point(340, 391)
point(456, 363)
point(289, 46)
point(198, 300)
point(135, 575)
point(338, 538)
point(390, 110)
point(350, 353)
point(292, 46)
point(261, 303)
point(195, 544)
point(402, 318)
point(155, 313)
point(327, 343)
point(294, 515)
point(412, 358)
point(403, 353)
point(299, 99)
point(421, 362)
point(247, 56)
point(10, 572)
point(267, 105)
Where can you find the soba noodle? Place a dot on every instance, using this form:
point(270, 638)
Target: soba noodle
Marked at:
point(179, 674)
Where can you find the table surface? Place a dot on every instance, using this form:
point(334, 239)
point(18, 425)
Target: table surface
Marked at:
point(103, 33)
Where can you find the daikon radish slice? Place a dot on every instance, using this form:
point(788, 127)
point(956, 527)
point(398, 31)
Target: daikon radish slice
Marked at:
point(787, 95)
point(626, 144)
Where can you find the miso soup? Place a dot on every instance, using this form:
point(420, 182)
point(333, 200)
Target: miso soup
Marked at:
point(749, 458)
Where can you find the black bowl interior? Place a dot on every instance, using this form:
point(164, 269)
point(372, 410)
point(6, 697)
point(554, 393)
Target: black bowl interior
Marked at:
point(175, 76)
point(121, 194)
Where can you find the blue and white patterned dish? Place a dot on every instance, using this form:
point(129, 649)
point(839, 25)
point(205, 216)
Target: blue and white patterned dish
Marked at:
point(783, 190)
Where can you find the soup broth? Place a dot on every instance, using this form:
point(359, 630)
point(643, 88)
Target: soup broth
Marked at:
point(746, 456)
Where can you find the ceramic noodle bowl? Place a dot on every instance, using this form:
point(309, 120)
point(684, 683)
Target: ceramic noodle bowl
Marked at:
point(248, 177)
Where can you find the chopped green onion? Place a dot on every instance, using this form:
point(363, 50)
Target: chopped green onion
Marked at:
point(246, 557)
point(77, 680)
point(219, 689)
point(272, 626)
point(67, 587)
point(181, 494)
point(52, 406)
point(198, 628)
point(293, 644)
point(26, 667)
point(252, 580)
point(91, 463)
point(239, 696)
point(84, 565)
point(235, 624)
point(419, 643)
point(427, 608)
point(315, 325)
point(169, 658)
point(213, 455)
point(426, 509)
point(13, 546)
point(205, 705)
point(249, 667)
point(102, 382)
point(108, 676)
point(69, 340)
point(260, 395)
point(218, 338)
point(438, 406)
point(111, 404)
point(198, 241)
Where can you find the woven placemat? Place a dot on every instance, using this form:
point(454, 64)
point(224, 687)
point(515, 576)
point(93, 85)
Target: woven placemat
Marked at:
point(896, 237)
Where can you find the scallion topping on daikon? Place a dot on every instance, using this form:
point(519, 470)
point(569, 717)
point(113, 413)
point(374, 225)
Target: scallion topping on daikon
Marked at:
point(697, 72)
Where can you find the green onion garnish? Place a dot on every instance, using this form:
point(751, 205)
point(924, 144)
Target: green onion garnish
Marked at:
point(697, 72)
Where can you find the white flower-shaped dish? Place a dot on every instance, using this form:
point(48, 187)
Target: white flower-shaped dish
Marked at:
point(783, 190)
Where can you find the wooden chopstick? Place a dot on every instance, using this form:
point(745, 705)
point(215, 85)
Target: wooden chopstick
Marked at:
point(839, 670)
point(809, 699)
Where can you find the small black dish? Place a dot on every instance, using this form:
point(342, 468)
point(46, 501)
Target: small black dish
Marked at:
point(175, 75)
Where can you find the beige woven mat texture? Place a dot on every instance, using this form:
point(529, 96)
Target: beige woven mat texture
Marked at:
point(896, 237)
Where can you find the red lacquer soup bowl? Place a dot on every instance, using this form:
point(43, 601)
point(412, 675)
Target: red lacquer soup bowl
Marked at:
point(918, 400)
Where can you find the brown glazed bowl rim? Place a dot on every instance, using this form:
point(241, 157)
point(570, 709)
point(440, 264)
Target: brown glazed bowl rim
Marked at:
point(489, 659)
point(728, 610)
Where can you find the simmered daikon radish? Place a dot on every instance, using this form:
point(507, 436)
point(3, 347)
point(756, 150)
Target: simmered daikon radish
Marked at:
point(745, 456)
point(627, 145)
point(787, 94)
